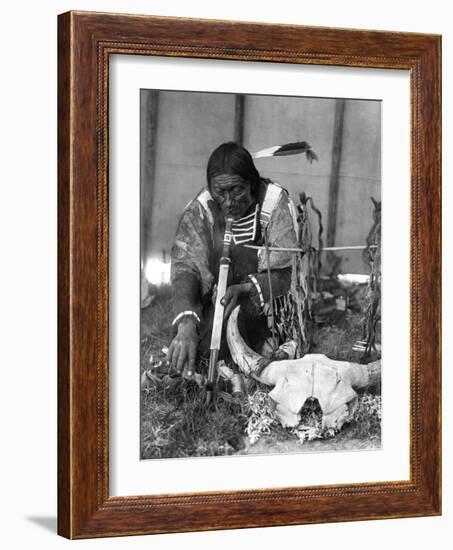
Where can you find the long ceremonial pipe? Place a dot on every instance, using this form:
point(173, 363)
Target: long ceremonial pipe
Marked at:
point(325, 248)
point(216, 336)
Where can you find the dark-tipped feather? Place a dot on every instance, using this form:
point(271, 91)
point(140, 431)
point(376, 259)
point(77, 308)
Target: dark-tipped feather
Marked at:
point(294, 148)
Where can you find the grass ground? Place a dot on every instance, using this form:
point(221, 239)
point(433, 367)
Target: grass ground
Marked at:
point(175, 421)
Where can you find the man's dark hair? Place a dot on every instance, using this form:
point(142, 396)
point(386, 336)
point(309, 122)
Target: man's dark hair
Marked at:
point(233, 159)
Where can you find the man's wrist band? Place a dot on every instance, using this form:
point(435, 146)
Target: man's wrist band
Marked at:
point(185, 314)
point(258, 289)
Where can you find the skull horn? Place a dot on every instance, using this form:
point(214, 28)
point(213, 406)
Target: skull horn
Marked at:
point(245, 358)
point(363, 376)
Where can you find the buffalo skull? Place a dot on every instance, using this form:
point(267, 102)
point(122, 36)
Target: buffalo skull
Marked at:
point(332, 383)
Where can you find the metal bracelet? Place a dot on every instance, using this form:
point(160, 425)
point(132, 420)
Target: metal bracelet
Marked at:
point(184, 314)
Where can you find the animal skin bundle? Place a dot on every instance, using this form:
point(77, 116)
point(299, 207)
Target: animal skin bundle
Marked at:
point(293, 311)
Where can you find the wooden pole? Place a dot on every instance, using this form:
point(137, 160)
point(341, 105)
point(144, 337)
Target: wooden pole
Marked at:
point(149, 102)
point(239, 107)
point(334, 183)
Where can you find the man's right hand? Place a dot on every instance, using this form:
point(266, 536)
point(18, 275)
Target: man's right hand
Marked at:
point(183, 348)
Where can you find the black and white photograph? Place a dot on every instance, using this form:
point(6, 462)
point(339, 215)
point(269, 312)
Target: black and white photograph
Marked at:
point(260, 274)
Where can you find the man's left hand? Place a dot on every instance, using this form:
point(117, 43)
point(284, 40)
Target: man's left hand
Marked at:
point(232, 295)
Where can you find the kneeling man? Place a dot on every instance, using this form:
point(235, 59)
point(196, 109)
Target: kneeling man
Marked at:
point(263, 214)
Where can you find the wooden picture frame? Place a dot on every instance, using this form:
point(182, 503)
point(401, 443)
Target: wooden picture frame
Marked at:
point(85, 41)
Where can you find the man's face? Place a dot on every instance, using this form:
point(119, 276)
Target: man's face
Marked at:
point(233, 195)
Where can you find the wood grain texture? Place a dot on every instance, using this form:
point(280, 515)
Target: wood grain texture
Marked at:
point(85, 42)
point(64, 390)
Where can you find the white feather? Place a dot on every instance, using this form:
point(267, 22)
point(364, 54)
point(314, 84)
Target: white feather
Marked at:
point(266, 152)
